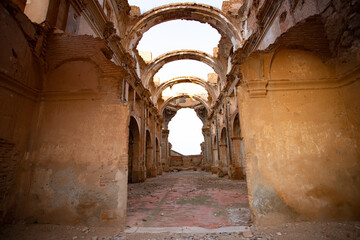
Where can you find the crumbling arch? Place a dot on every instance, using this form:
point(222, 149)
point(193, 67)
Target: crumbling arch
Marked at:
point(184, 79)
point(237, 151)
point(202, 101)
point(160, 61)
point(190, 89)
point(184, 11)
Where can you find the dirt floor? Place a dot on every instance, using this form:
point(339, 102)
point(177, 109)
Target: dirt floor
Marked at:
point(211, 207)
point(194, 199)
point(297, 231)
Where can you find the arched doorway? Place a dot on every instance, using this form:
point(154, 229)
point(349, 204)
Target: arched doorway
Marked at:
point(236, 169)
point(149, 155)
point(223, 165)
point(133, 152)
point(215, 156)
point(157, 156)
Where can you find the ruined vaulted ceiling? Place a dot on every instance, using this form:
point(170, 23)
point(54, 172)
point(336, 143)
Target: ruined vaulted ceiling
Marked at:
point(231, 39)
point(199, 99)
point(160, 61)
point(184, 11)
point(185, 79)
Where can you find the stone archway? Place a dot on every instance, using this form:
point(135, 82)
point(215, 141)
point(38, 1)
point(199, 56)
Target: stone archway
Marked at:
point(185, 79)
point(184, 11)
point(157, 156)
point(223, 164)
point(236, 168)
point(134, 172)
point(162, 60)
point(202, 101)
point(149, 164)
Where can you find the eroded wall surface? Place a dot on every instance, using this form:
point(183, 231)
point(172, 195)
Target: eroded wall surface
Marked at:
point(79, 170)
point(64, 128)
point(80, 164)
point(301, 142)
point(65, 110)
point(20, 79)
point(185, 161)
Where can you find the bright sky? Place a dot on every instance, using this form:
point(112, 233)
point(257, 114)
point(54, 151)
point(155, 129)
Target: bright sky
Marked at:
point(185, 88)
point(186, 132)
point(146, 5)
point(179, 34)
point(184, 68)
point(185, 128)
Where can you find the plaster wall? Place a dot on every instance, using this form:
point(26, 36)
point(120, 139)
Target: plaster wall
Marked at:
point(185, 161)
point(17, 61)
point(301, 145)
point(139, 108)
point(79, 172)
point(81, 164)
point(67, 135)
point(351, 97)
point(20, 79)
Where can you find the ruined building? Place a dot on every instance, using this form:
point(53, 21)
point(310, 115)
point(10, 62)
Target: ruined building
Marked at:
point(81, 114)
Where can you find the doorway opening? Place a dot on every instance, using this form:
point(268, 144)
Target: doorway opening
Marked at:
point(186, 195)
point(148, 155)
point(133, 151)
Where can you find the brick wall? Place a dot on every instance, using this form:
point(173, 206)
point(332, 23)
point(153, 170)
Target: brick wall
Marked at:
point(7, 172)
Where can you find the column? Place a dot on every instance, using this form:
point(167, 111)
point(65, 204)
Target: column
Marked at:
point(207, 149)
point(164, 150)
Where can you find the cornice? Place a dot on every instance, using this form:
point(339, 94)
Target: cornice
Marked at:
point(308, 84)
point(257, 88)
point(18, 87)
point(56, 96)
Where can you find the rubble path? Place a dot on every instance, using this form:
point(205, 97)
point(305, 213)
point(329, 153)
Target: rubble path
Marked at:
point(203, 202)
point(290, 231)
point(189, 198)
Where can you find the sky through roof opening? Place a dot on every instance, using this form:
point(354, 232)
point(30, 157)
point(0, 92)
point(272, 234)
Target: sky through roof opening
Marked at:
point(186, 132)
point(185, 128)
point(181, 68)
point(190, 89)
point(179, 34)
point(146, 5)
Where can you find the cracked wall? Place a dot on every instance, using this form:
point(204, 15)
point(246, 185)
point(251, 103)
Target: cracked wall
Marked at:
point(292, 134)
point(287, 70)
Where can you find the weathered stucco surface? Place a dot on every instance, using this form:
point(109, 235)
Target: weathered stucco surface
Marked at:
point(80, 155)
point(302, 150)
point(80, 173)
point(19, 77)
point(81, 114)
